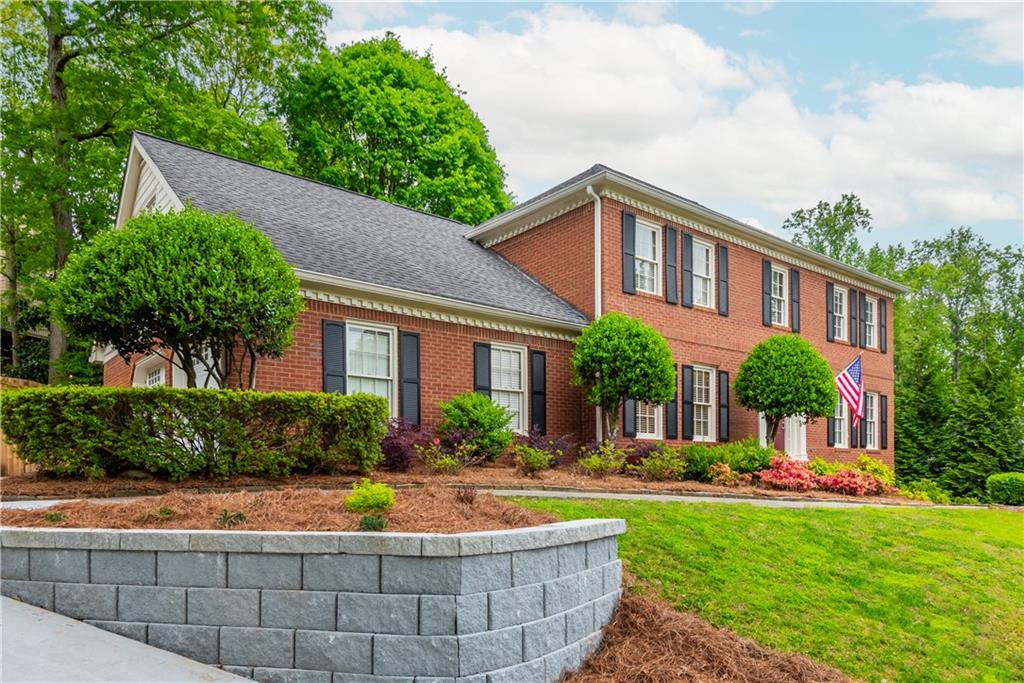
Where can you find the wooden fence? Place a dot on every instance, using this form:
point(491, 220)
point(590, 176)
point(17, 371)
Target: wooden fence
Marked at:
point(10, 463)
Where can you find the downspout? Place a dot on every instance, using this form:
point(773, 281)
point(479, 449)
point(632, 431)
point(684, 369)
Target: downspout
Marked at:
point(597, 283)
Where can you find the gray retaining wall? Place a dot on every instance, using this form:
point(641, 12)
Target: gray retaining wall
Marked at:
point(515, 606)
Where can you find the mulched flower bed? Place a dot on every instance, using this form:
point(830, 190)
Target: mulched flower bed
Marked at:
point(649, 642)
point(497, 475)
point(433, 509)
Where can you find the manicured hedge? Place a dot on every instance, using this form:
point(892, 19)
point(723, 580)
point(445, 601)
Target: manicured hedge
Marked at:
point(97, 431)
point(1006, 488)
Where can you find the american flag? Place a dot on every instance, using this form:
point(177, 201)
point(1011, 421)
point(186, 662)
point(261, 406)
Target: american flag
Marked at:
point(851, 388)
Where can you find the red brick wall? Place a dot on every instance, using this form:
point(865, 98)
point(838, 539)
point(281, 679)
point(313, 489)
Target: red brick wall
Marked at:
point(446, 364)
point(117, 373)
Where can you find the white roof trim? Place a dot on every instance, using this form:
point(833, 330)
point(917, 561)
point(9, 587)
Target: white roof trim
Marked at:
point(126, 204)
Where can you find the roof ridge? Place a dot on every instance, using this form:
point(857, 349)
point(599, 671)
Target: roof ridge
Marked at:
point(297, 176)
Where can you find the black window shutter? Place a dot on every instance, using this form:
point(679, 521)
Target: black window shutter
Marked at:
point(628, 253)
point(883, 412)
point(723, 405)
point(831, 431)
point(830, 313)
point(863, 323)
point(766, 293)
point(333, 343)
point(672, 411)
point(794, 298)
point(671, 255)
point(629, 417)
point(409, 374)
point(539, 391)
point(723, 280)
point(687, 270)
point(688, 402)
point(851, 303)
point(482, 368)
point(883, 325)
point(854, 432)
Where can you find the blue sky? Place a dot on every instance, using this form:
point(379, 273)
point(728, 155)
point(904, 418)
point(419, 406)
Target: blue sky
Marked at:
point(754, 109)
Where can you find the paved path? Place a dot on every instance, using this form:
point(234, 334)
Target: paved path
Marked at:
point(39, 645)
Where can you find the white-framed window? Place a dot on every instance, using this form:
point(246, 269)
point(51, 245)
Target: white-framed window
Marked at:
point(703, 403)
point(370, 360)
point(508, 383)
point(870, 306)
point(842, 430)
point(647, 259)
point(839, 313)
point(780, 294)
point(871, 419)
point(703, 274)
point(648, 420)
point(155, 377)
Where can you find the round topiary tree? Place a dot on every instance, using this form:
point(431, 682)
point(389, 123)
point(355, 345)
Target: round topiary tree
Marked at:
point(202, 290)
point(785, 376)
point(618, 357)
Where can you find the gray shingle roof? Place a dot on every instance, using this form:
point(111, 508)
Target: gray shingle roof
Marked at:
point(328, 230)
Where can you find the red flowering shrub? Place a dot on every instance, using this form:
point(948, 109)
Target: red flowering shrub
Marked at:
point(849, 482)
point(788, 474)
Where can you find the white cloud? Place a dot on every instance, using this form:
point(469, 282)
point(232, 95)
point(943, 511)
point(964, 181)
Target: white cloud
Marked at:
point(356, 15)
point(669, 107)
point(748, 9)
point(642, 12)
point(996, 33)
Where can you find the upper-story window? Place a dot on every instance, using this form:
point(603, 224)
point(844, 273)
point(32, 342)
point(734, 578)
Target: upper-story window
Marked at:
point(508, 382)
point(370, 366)
point(780, 294)
point(703, 274)
point(648, 257)
point(870, 335)
point(842, 434)
point(871, 420)
point(648, 420)
point(703, 403)
point(155, 377)
point(839, 313)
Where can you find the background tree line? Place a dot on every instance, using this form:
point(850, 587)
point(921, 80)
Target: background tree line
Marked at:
point(959, 343)
point(253, 80)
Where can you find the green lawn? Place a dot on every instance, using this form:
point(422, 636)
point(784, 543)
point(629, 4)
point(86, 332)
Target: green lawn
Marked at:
point(882, 594)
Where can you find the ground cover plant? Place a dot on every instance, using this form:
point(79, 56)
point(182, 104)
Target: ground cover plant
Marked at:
point(881, 594)
point(433, 509)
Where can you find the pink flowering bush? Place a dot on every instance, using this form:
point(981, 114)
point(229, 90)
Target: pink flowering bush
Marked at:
point(795, 475)
point(788, 474)
point(848, 482)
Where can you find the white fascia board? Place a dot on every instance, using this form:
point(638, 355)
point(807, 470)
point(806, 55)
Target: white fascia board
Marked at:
point(129, 186)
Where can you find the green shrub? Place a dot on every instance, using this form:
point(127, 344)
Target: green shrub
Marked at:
point(660, 464)
point(54, 517)
point(876, 468)
point(227, 519)
point(96, 431)
point(742, 457)
point(531, 461)
point(373, 523)
point(1006, 488)
point(442, 459)
point(925, 489)
point(602, 460)
point(822, 467)
point(367, 496)
point(475, 418)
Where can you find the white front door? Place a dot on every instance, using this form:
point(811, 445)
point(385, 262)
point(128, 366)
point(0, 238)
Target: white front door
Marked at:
point(796, 437)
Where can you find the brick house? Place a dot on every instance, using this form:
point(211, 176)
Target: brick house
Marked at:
point(419, 308)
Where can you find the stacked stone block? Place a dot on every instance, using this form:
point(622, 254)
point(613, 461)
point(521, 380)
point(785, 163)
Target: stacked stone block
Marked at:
point(522, 605)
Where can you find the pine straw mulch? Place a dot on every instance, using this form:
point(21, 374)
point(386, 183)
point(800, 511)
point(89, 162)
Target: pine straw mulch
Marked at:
point(500, 475)
point(434, 509)
point(649, 642)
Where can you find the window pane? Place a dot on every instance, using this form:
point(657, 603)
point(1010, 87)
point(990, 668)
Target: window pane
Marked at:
point(646, 419)
point(646, 276)
point(646, 244)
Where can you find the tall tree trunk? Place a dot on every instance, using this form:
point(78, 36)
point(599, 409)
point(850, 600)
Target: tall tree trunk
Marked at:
point(11, 273)
point(59, 206)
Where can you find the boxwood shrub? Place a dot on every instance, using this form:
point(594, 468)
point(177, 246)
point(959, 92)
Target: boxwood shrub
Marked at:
point(97, 431)
point(1006, 488)
point(743, 457)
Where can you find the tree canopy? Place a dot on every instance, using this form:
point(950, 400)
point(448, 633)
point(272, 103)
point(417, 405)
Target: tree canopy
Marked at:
point(832, 229)
point(619, 357)
point(378, 119)
point(205, 291)
point(785, 376)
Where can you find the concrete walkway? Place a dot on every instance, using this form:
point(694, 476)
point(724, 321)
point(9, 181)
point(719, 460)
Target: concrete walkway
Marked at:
point(39, 645)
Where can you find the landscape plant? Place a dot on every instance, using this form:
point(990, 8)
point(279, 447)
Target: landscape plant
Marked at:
point(743, 457)
point(618, 357)
point(206, 292)
point(441, 458)
point(925, 489)
point(659, 464)
point(530, 461)
point(557, 447)
point(789, 475)
point(368, 496)
point(601, 460)
point(1006, 488)
point(398, 445)
point(472, 420)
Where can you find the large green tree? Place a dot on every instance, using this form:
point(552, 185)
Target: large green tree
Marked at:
point(80, 76)
point(832, 229)
point(378, 119)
